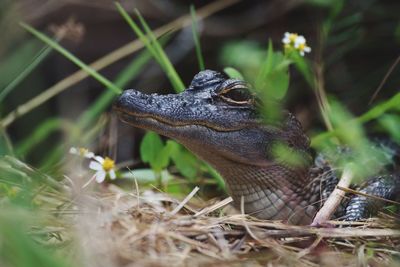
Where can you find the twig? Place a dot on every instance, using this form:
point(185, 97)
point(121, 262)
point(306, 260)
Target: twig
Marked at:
point(358, 232)
point(307, 250)
point(349, 190)
point(187, 240)
point(245, 223)
point(396, 62)
point(136, 187)
point(216, 206)
point(187, 198)
point(333, 201)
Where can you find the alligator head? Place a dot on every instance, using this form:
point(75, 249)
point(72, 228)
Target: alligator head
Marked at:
point(218, 120)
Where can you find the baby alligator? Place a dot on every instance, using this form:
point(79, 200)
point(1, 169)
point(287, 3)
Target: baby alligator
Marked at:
point(217, 119)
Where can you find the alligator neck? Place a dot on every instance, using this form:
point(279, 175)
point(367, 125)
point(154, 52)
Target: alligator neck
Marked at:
point(274, 192)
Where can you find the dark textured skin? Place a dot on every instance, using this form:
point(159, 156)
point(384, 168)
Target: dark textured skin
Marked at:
point(227, 132)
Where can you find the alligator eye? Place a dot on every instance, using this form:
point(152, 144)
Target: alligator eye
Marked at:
point(239, 95)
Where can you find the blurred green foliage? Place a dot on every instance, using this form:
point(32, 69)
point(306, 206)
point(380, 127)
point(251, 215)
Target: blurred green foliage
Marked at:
point(21, 191)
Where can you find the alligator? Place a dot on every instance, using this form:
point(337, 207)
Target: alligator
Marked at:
point(219, 120)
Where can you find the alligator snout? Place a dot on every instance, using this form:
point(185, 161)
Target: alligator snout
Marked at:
point(133, 102)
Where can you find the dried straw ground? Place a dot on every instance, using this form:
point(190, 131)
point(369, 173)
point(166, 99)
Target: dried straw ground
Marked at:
point(119, 228)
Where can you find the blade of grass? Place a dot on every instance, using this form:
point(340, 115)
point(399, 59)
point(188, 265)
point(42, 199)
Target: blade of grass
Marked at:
point(108, 59)
point(6, 147)
point(151, 43)
point(196, 38)
point(43, 131)
point(396, 62)
point(39, 57)
point(266, 66)
point(102, 102)
point(217, 177)
point(138, 31)
point(53, 157)
point(168, 67)
point(100, 78)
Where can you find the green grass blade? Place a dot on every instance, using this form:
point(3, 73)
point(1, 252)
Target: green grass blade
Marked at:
point(43, 131)
point(43, 53)
point(265, 67)
point(196, 38)
point(168, 67)
point(380, 109)
point(217, 177)
point(153, 45)
point(128, 74)
point(100, 78)
point(138, 32)
point(6, 147)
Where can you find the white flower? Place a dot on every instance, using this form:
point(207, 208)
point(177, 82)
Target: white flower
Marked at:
point(299, 40)
point(103, 166)
point(293, 41)
point(81, 151)
point(289, 38)
point(302, 47)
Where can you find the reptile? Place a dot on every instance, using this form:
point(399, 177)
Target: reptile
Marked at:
point(218, 119)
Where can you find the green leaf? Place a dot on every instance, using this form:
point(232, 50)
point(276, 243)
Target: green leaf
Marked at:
point(392, 125)
point(185, 162)
point(265, 67)
point(217, 177)
point(150, 147)
point(277, 84)
point(273, 78)
point(162, 159)
point(233, 73)
point(391, 104)
point(147, 175)
point(304, 67)
point(154, 152)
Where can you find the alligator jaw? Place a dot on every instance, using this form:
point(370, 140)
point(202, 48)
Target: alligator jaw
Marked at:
point(174, 111)
point(150, 121)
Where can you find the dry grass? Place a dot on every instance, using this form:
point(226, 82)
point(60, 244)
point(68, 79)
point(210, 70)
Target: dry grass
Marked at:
point(119, 228)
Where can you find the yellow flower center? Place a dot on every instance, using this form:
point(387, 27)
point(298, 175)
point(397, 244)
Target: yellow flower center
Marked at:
point(108, 164)
point(301, 47)
point(83, 151)
point(292, 37)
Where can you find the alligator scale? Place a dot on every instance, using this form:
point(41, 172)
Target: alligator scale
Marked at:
point(216, 118)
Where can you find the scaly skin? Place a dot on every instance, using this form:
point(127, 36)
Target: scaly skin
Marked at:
point(217, 119)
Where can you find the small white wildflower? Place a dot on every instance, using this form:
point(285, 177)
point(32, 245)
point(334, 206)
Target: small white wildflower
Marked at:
point(289, 38)
point(302, 47)
point(102, 166)
point(81, 151)
point(299, 40)
point(293, 41)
